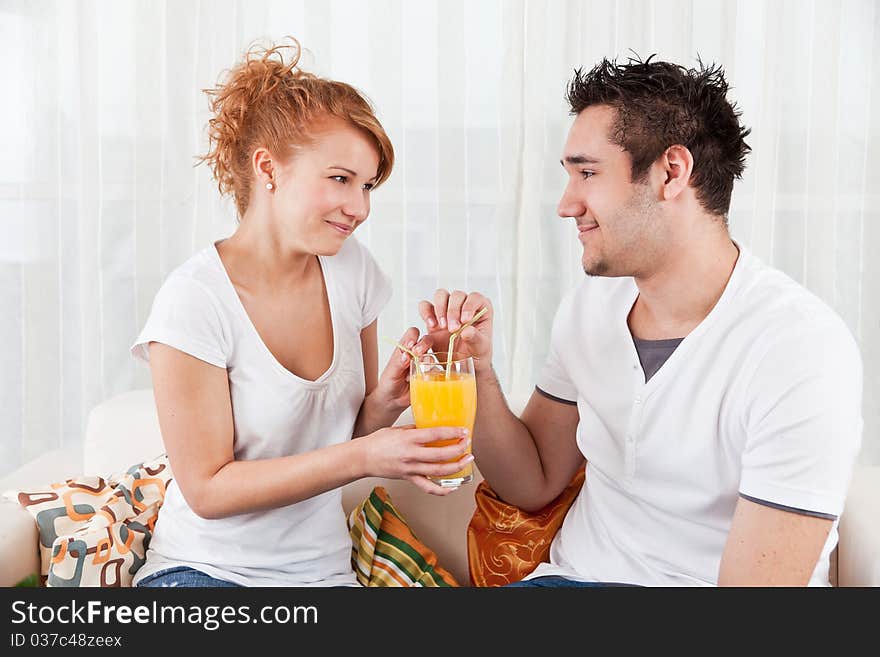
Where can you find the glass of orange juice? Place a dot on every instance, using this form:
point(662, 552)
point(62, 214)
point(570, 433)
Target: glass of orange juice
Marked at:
point(444, 394)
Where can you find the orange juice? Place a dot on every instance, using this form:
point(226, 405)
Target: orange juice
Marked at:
point(438, 401)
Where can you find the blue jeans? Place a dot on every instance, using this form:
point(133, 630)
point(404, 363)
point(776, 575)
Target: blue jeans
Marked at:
point(181, 576)
point(555, 581)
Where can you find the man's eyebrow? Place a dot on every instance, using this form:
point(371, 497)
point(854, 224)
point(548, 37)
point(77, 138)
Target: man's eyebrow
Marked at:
point(578, 159)
point(353, 173)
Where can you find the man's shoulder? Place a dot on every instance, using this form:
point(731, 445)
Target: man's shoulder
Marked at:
point(779, 308)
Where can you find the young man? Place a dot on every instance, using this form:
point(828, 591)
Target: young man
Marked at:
point(717, 402)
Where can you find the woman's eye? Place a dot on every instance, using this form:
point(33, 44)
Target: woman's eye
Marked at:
point(342, 179)
point(587, 174)
point(368, 186)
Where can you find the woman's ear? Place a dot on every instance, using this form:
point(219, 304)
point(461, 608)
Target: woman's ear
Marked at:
point(263, 167)
point(678, 164)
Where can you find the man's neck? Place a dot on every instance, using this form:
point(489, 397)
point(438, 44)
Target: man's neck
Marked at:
point(679, 294)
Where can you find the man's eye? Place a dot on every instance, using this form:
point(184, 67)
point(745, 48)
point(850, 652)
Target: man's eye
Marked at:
point(587, 174)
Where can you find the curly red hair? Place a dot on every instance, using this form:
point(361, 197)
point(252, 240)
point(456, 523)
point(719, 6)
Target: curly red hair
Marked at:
point(265, 102)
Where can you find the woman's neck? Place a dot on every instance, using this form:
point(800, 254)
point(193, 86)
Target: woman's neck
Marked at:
point(261, 257)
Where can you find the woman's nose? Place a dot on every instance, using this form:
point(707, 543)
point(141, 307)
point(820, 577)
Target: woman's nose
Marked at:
point(358, 205)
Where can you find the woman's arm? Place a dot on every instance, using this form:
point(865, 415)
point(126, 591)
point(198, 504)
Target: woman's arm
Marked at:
point(195, 417)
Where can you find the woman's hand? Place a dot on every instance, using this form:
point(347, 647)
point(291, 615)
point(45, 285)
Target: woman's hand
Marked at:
point(392, 390)
point(403, 453)
point(447, 312)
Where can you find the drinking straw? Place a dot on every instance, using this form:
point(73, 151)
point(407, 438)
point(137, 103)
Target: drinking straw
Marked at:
point(455, 334)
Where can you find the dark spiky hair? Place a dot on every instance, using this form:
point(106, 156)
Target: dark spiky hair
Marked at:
point(659, 105)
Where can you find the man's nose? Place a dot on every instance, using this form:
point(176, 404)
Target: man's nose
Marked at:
point(570, 206)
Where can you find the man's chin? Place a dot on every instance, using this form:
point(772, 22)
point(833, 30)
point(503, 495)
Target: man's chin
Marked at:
point(593, 268)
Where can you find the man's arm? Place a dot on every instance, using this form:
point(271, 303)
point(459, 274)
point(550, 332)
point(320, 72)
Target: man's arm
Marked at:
point(803, 424)
point(767, 546)
point(528, 461)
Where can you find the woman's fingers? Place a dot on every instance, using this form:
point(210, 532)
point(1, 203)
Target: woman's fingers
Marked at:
point(409, 337)
point(423, 436)
point(446, 453)
point(430, 487)
point(408, 340)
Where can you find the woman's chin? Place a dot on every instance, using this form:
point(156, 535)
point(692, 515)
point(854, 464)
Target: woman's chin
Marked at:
point(329, 249)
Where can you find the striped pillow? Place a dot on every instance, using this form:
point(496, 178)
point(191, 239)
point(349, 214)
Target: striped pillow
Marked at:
point(384, 550)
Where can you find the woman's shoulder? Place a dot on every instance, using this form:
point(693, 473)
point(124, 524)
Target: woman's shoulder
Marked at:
point(188, 312)
point(200, 280)
point(202, 270)
point(366, 282)
point(355, 259)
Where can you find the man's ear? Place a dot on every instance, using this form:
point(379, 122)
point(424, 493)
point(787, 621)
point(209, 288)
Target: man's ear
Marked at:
point(678, 164)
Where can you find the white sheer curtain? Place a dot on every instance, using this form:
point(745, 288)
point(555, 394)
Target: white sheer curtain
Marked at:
point(103, 115)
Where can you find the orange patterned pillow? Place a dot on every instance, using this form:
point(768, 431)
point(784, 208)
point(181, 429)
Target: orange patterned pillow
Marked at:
point(506, 543)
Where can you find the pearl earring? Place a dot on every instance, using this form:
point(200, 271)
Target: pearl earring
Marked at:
point(269, 186)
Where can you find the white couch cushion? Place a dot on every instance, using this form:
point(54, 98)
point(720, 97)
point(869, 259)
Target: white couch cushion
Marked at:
point(121, 432)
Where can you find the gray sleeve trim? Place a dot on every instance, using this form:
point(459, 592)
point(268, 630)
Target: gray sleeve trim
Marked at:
point(792, 509)
point(556, 399)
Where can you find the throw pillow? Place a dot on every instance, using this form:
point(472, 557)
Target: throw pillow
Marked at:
point(385, 551)
point(506, 543)
point(95, 531)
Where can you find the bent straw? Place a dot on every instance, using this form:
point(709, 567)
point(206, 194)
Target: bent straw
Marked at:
point(455, 334)
point(412, 354)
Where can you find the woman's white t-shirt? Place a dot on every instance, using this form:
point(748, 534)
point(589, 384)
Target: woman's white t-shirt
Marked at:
point(275, 413)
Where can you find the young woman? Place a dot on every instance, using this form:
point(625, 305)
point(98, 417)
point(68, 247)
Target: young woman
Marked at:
point(263, 348)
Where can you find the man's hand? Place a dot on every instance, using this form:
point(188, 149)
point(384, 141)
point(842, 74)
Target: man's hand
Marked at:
point(447, 312)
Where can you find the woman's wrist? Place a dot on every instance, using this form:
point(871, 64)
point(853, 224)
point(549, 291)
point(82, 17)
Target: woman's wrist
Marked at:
point(380, 410)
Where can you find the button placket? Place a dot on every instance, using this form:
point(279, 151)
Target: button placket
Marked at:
point(635, 422)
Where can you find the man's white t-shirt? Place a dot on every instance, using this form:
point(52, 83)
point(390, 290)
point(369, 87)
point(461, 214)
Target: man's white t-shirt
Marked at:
point(275, 414)
point(762, 399)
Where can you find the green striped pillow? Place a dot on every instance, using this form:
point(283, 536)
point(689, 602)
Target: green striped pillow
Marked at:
point(384, 550)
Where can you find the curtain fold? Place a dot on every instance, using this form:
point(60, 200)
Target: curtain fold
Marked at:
point(100, 198)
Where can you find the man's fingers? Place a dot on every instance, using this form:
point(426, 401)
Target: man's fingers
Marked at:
point(453, 309)
point(472, 305)
point(441, 307)
point(471, 336)
point(426, 311)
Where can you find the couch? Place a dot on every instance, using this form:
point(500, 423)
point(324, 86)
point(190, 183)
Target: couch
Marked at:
point(124, 430)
